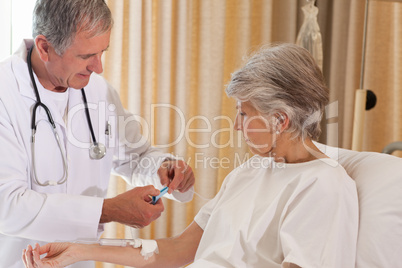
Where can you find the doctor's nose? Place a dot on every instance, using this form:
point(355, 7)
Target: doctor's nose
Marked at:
point(96, 64)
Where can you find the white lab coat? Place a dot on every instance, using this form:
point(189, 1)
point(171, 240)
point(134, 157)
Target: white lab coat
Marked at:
point(31, 213)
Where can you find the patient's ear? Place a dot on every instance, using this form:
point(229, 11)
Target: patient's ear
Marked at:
point(282, 121)
point(43, 47)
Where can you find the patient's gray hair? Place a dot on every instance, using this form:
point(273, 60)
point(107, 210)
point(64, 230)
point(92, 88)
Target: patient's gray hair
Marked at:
point(60, 21)
point(281, 79)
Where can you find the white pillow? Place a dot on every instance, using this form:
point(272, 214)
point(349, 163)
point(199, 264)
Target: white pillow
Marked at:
point(379, 185)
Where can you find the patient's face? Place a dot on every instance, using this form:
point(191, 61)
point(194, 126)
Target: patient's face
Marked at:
point(255, 128)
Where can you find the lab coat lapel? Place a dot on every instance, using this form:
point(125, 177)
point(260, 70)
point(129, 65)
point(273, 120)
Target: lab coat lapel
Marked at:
point(20, 69)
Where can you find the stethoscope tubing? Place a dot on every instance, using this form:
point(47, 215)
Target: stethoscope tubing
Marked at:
point(33, 128)
point(88, 116)
point(96, 150)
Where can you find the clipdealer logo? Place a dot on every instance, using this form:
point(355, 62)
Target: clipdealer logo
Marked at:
point(186, 130)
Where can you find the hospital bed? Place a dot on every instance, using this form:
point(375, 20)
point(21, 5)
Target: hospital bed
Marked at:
point(378, 177)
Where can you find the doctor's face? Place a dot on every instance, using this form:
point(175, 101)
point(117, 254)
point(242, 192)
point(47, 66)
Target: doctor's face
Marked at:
point(83, 57)
point(255, 128)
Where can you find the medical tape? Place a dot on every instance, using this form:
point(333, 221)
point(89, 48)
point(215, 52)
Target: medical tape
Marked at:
point(148, 247)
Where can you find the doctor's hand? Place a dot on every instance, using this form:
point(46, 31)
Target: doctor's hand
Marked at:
point(177, 175)
point(133, 208)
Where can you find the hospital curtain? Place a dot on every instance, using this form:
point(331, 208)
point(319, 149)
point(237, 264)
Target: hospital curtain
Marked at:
point(383, 75)
point(382, 71)
point(170, 61)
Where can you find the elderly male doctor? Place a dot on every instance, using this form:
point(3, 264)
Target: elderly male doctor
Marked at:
point(54, 189)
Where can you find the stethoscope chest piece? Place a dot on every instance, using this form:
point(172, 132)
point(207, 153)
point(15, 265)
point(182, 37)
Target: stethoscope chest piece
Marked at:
point(97, 151)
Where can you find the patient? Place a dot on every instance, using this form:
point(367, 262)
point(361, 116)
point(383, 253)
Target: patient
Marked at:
point(287, 206)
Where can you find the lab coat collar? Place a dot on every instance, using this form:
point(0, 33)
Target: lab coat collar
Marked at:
point(20, 68)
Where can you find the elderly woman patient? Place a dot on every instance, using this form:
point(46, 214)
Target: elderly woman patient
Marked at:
point(288, 206)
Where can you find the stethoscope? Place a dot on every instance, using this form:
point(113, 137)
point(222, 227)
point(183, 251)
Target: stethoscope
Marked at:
point(96, 150)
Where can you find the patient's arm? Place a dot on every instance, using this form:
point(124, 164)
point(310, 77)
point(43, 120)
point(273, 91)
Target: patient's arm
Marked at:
point(173, 252)
point(180, 250)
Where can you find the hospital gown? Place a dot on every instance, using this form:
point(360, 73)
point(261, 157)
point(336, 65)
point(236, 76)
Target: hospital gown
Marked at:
point(267, 214)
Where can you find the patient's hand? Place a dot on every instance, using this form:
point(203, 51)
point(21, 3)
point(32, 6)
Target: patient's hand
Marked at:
point(58, 255)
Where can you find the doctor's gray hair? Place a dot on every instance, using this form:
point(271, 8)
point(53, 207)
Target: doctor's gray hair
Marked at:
point(283, 79)
point(60, 21)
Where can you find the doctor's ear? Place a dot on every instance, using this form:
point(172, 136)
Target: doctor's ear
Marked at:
point(42, 47)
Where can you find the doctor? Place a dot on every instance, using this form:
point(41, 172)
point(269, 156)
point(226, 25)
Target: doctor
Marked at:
point(63, 130)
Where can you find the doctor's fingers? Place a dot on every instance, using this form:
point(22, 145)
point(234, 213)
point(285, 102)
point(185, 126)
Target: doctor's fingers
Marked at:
point(186, 181)
point(137, 192)
point(147, 191)
point(165, 173)
point(189, 182)
point(141, 210)
point(157, 210)
point(144, 215)
point(142, 193)
point(176, 174)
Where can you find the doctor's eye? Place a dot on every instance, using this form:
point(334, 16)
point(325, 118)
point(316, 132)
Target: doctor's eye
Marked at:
point(86, 56)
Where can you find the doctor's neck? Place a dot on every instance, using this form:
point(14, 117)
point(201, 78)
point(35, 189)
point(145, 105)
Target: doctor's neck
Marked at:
point(38, 66)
